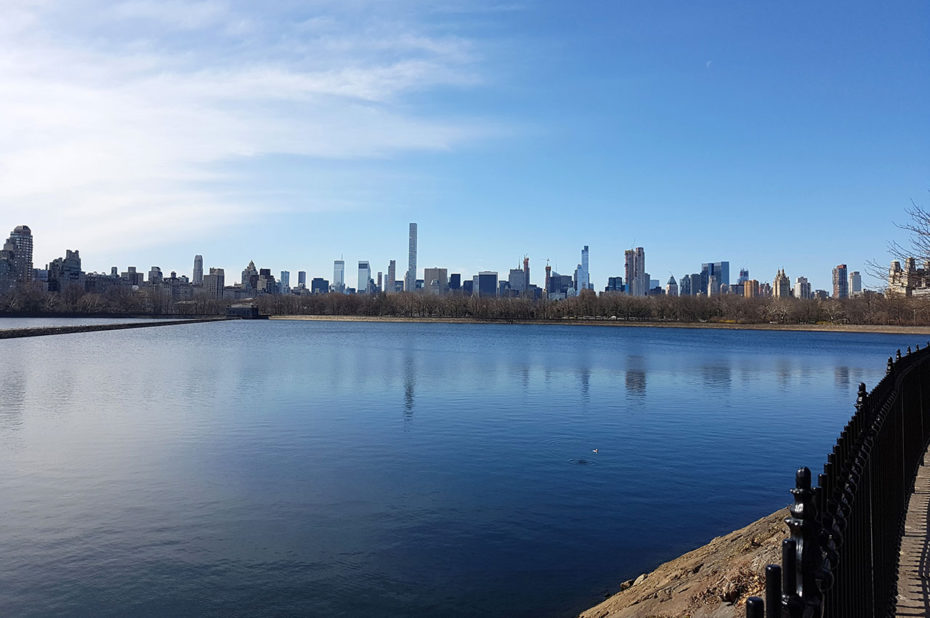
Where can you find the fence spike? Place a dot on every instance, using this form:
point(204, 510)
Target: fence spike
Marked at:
point(890, 367)
point(773, 591)
point(908, 350)
point(897, 355)
point(755, 608)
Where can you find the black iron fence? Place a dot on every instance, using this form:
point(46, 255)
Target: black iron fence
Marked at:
point(842, 556)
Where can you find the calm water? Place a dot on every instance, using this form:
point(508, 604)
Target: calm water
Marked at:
point(339, 469)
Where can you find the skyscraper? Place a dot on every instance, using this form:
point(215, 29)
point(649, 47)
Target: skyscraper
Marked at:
point(517, 279)
point(410, 282)
point(526, 273)
point(802, 288)
point(20, 243)
point(198, 270)
point(855, 283)
point(285, 281)
point(339, 276)
point(487, 283)
point(302, 279)
point(743, 275)
point(671, 288)
point(390, 285)
point(840, 282)
point(364, 277)
point(584, 275)
point(782, 284)
point(436, 280)
point(721, 273)
point(637, 281)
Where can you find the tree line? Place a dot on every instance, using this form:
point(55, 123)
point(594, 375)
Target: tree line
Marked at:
point(869, 309)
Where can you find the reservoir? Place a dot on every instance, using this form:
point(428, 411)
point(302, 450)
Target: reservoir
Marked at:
point(396, 469)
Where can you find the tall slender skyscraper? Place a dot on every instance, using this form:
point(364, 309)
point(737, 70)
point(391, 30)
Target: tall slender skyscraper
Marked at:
point(584, 275)
point(339, 276)
point(391, 277)
point(410, 282)
point(198, 270)
point(526, 273)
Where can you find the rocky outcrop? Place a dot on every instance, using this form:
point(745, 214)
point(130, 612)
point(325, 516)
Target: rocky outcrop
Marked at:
point(713, 580)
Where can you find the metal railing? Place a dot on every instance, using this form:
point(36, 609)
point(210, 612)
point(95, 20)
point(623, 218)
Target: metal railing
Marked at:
point(842, 556)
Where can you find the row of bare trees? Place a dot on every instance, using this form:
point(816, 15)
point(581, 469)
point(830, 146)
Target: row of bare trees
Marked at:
point(870, 309)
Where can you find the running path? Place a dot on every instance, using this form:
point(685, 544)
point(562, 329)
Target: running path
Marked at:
point(914, 563)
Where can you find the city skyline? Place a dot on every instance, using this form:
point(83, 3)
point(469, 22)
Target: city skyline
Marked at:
point(16, 265)
point(773, 137)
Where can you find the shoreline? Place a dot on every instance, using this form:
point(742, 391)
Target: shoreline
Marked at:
point(818, 328)
point(714, 579)
point(42, 331)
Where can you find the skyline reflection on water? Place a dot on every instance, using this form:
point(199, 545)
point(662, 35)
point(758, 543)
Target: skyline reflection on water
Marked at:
point(395, 469)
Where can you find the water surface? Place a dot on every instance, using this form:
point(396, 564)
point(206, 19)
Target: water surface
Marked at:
point(350, 469)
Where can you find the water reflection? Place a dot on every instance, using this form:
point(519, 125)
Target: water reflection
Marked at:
point(717, 374)
point(635, 375)
point(410, 383)
point(13, 395)
point(783, 372)
point(841, 375)
point(584, 377)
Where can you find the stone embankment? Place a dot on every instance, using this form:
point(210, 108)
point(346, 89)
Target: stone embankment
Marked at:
point(13, 333)
point(713, 580)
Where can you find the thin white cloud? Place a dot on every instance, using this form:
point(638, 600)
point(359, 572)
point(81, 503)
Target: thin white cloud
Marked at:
point(112, 134)
point(185, 15)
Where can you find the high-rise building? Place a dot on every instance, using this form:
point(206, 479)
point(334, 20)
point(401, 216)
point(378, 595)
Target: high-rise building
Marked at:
point(391, 283)
point(411, 279)
point(214, 283)
point(637, 280)
point(436, 280)
point(155, 275)
point(614, 284)
point(750, 288)
point(781, 287)
point(339, 276)
point(584, 275)
point(517, 280)
point(20, 245)
point(302, 279)
point(249, 277)
point(721, 273)
point(671, 288)
point(840, 282)
point(198, 270)
point(378, 281)
point(855, 283)
point(487, 283)
point(802, 288)
point(743, 275)
point(526, 273)
point(455, 281)
point(684, 287)
point(285, 281)
point(364, 277)
point(65, 272)
point(319, 285)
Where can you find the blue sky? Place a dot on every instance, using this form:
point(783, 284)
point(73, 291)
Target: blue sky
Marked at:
point(294, 133)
